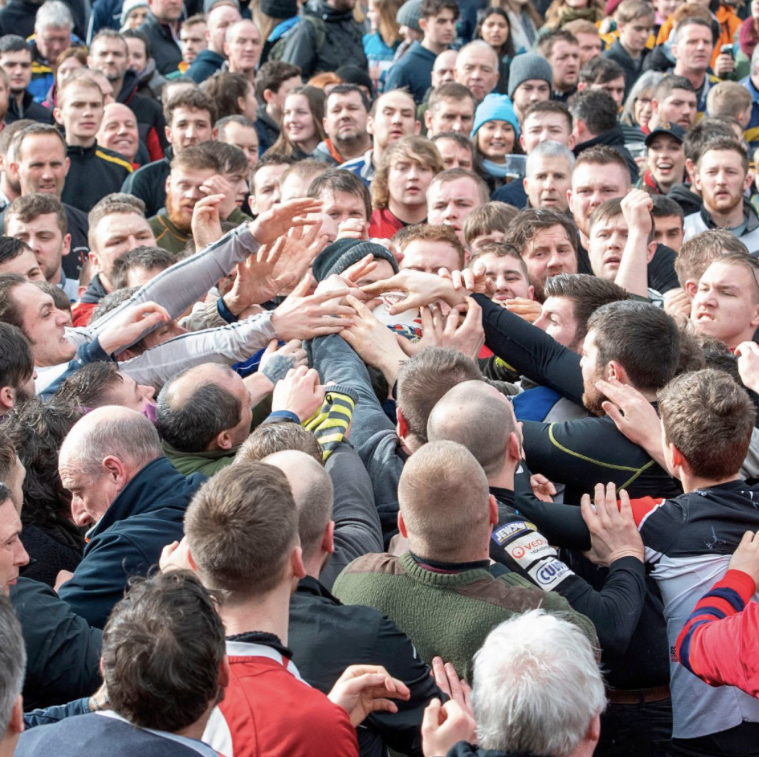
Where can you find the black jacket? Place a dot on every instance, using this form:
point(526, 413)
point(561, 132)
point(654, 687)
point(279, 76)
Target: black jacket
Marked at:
point(164, 49)
point(51, 549)
point(614, 138)
point(149, 183)
point(95, 172)
point(632, 68)
point(149, 114)
point(267, 128)
point(342, 41)
point(29, 109)
point(326, 636)
point(62, 650)
point(686, 198)
point(127, 541)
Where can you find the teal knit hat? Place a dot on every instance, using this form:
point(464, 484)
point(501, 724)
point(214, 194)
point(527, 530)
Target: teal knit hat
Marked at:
point(495, 108)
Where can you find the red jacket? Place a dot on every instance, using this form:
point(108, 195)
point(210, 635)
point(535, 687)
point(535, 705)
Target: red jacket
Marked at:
point(269, 711)
point(720, 641)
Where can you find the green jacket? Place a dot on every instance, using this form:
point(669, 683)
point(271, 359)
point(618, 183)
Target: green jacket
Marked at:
point(205, 463)
point(446, 614)
point(170, 238)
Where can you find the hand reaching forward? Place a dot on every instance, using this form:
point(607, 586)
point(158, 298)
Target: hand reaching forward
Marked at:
point(613, 533)
point(364, 689)
point(130, 325)
point(279, 219)
point(304, 316)
point(748, 364)
point(299, 392)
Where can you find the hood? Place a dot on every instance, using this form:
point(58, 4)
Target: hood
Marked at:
point(157, 487)
point(688, 200)
point(326, 12)
point(95, 291)
point(129, 87)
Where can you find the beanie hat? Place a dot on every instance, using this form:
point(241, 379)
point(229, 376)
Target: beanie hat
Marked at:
point(496, 108)
point(338, 256)
point(129, 6)
point(409, 14)
point(529, 66)
point(351, 74)
point(611, 6)
point(209, 4)
point(280, 8)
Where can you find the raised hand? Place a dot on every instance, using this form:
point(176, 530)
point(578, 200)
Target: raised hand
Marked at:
point(206, 223)
point(364, 689)
point(280, 218)
point(613, 533)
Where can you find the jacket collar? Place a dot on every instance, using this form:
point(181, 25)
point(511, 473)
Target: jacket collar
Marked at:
point(95, 290)
point(145, 492)
point(128, 87)
point(613, 138)
point(749, 215)
point(76, 151)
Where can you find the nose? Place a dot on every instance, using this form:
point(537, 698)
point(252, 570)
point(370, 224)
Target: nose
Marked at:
point(549, 183)
point(458, 126)
point(22, 556)
point(79, 515)
point(500, 282)
point(277, 196)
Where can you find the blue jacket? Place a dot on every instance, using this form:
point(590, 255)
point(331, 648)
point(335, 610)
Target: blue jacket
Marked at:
point(751, 133)
point(127, 541)
point(413, 71)
point(205, 65)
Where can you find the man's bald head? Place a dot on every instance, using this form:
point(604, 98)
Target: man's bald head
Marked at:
point(313, 494)
point(111, 431)
point(477, 416)
point(444, 502)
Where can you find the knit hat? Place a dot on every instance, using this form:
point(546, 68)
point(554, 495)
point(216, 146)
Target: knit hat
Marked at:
point(209, 4)
point(129, 6)
point(611, 6)
point(280, 8)
point(338, 256)
point(409, 14)
point(351, 74)
point(529, 66)
point(496, 108)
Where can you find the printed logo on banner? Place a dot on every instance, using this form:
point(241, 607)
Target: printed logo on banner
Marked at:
point(526, 549)
point(509, 531)
point(549, 573)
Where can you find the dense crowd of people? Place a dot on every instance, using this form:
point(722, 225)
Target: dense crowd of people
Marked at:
point(379, 378)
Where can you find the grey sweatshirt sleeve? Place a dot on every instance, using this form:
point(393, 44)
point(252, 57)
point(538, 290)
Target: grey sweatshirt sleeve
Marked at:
point(178, 287)
point(230, 344)
point(357, 525)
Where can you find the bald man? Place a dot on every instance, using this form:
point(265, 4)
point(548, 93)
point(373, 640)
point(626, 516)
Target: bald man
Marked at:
point(326, 635)
point(447, 514)
point(119, 131)
point(477, 68)
point(113, 465)
point(203, 415)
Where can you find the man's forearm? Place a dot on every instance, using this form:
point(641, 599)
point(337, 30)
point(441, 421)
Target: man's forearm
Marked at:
point(230, 344)
point(178, 287)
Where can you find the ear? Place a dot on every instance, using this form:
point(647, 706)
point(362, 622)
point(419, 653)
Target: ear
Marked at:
point(191, 559)
point(402, 425)
point(324, 124)
point(7, 397)
point(427, 120)
point(521, 142)
point(168, 183)
point(677, 456)
point(572, 143)
point(526, 185)
point(89, 61)
point(748, 181)
point(215, 130)
point(423, 24)
point(115, 470)
point(417, 127)
point(67, 164)
point(493, 510)
point(654, 105)
point(370, 125)
point(66, 244)
point(16, 723)
point(594, 730)
point(581, 86)
point(224, 673)
point(651, 251)
point(268, 94)
point(57, 116)
point(614, 370)
point(691, 287)
point(569, 201)
point(225, 48)
point(402, 526)
point(514, 448)
point(95, 263)
point(223, 440)
point(328, 538)
point(252, 204)
point(692, 170)
point(296, 563)
point(531, 293)
point(13, 170)
point(240, 104)
point(126, 354)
